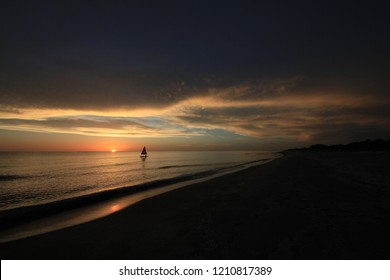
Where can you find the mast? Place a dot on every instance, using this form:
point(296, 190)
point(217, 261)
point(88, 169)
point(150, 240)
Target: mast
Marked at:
point(144, 153)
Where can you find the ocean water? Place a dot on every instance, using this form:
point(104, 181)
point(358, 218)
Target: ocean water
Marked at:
point(31, 179)
point(43, 192)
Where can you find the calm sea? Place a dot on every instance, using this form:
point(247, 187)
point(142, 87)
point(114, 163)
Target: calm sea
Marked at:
point(29, 179)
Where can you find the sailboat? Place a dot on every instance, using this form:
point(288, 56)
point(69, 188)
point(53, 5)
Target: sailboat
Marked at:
point(144, 153)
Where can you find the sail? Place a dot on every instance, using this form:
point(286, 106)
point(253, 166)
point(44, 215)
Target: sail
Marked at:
point(144, 153)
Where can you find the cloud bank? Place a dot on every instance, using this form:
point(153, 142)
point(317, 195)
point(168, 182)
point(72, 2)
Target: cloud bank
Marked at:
point(267, 111)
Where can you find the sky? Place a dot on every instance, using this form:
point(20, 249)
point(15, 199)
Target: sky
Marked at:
point(192, 75)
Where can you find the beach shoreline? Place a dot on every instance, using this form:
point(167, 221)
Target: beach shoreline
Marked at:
point(39, 219)
point(305, 205)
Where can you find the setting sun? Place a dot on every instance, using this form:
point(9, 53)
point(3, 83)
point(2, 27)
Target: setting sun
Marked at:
point(113, 150)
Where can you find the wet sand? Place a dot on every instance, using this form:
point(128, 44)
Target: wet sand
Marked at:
point(306, 205)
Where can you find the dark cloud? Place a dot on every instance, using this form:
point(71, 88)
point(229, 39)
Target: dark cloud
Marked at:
point(73, 55)
point(292, 70)
point(72, 123)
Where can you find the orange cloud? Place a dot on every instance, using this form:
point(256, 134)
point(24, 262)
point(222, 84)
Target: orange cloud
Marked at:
point(274, 111)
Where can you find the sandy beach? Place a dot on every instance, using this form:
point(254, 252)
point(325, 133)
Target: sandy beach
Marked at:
point(305, 205)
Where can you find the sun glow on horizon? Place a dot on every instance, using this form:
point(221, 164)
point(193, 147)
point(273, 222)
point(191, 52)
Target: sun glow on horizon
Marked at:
point(227, 116)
